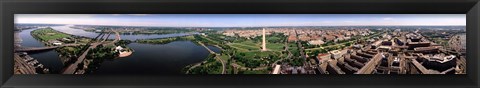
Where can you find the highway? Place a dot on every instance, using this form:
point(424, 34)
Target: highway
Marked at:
point(31, 49)
point(71, 69)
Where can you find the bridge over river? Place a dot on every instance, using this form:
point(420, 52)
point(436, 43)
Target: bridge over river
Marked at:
point(71, 69)
point(34, 49)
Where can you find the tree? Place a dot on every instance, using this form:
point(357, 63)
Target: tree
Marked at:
point(348, 44)
point(316, 52)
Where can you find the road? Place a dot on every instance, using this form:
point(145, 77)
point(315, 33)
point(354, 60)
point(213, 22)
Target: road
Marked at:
point(300, 47)
point(194, 66)
point(105, 39)
point(71, 69)
point(288, 56)
point(117, 38)
point(31, 49)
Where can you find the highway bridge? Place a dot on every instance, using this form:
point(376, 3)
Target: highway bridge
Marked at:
point(34, 49)
point(71, 69)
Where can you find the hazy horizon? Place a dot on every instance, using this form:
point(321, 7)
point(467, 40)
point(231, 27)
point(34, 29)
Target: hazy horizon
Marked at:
point(255, 26)
point(244, 20)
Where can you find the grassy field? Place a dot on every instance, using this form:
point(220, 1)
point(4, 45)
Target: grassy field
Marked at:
point(292, 46)
point(249, 43)
point(245, 46)
point(257, 54)
point(275, 46)
point(251, 46)
point(224, 57)
point(251, 55)
point(247, 54)
point(209, 40)
point(47, 34)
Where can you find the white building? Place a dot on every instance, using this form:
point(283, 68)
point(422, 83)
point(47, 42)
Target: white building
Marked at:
point(316, 42)
point(335, 54)
point(118, 49)
point(277, 69)
point(57, 43)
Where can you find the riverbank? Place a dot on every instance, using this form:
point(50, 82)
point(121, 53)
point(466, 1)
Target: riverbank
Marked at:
point(134, 30)
point(210, 65)
point(124, 52)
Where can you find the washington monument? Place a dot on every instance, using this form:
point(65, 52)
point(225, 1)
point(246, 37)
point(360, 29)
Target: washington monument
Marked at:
point(264, 44)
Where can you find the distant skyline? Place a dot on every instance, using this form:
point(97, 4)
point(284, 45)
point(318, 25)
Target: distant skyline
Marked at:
point(245, 20)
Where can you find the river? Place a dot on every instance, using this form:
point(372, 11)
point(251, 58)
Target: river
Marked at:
point(147, 59)
point(48, 58)
point(79, 32)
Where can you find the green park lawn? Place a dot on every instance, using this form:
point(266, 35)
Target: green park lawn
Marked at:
point(275, 46)
point(48, 34)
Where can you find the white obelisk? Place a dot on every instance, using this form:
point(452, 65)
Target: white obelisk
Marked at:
point(264, 44)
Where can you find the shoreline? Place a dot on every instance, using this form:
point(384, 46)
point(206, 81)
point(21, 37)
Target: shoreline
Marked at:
point(126, 54)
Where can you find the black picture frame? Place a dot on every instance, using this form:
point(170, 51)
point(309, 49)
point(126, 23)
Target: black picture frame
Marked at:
point(10, 7)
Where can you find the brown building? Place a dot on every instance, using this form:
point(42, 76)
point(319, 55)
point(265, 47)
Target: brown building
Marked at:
point(292, 38)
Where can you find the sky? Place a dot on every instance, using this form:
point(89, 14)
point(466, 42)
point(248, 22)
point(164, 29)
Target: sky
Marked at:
point(245, 20)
